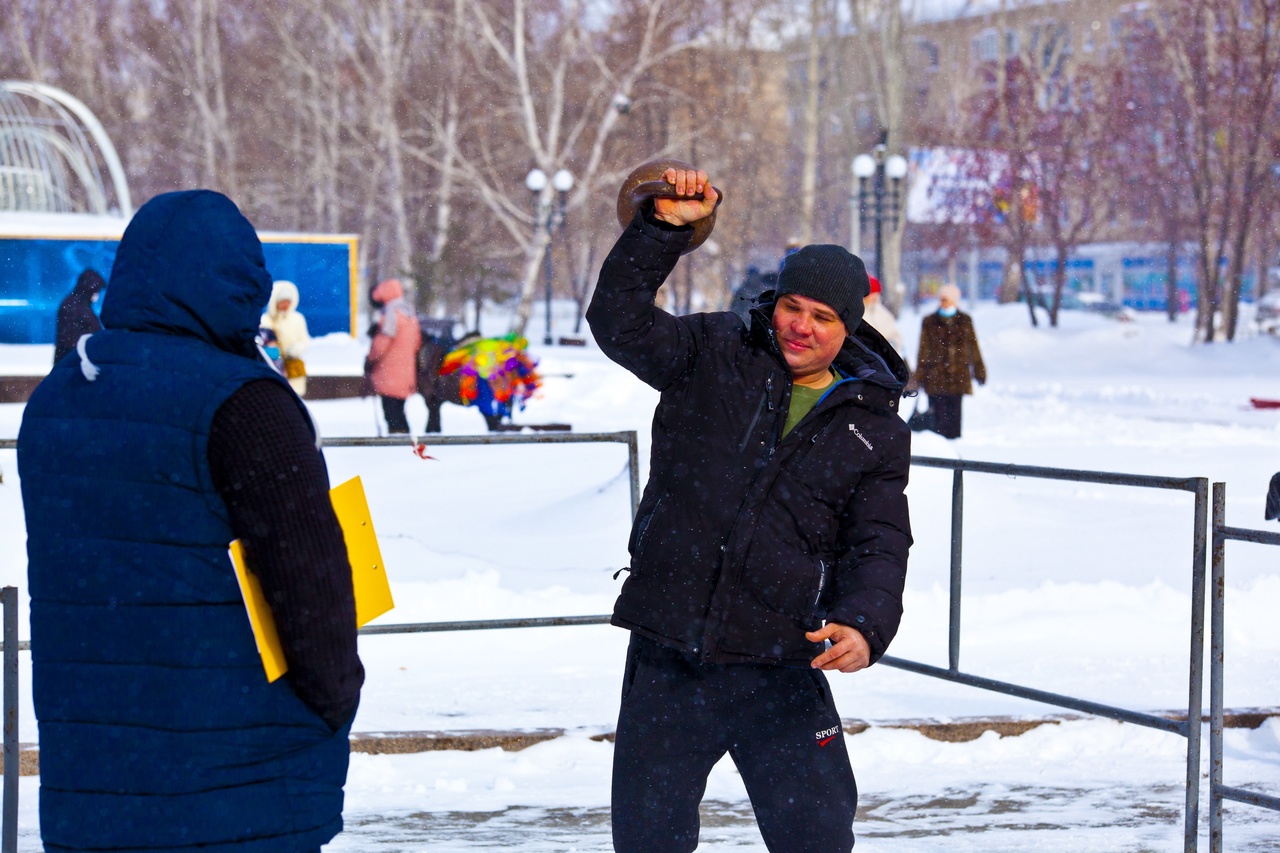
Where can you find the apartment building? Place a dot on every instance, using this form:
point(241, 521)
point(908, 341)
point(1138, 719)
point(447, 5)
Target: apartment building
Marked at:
point(955, 54)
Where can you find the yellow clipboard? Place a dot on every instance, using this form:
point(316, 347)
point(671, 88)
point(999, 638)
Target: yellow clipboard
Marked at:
point(368, 575)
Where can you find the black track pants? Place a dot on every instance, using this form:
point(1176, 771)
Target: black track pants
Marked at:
point(393, 411)
point(946, 408)
point(779, 725)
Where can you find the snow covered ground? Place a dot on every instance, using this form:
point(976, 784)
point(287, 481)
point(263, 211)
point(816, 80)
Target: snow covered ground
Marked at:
point(1074, 588)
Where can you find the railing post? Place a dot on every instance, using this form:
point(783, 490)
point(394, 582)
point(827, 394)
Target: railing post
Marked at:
point(1196, 667)
point(1217, 657)
point(1195, 688)
point(633, 463)
point(957, 536)
point(9, 817)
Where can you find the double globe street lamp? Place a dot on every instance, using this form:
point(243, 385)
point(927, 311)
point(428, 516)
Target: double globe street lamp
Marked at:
point(548, 216)
point(885, 176)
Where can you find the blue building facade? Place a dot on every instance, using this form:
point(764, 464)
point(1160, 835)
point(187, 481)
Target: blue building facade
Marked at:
point(1131, 274)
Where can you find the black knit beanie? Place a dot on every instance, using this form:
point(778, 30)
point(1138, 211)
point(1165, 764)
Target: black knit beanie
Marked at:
point(830, 274)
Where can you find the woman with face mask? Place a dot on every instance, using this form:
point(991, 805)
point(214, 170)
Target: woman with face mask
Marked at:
point(947, 362)
point(290, 328)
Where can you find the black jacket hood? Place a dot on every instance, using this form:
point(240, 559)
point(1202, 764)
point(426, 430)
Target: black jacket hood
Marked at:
point(88, 285)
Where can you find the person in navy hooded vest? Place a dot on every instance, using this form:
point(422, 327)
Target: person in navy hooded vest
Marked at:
point(166, 436)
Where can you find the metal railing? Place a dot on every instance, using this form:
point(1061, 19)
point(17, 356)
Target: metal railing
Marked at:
point(484, 624)
point(633, 464)
point(1218, 792)
point(9, 661)
point(434, 440)
point(9, 595)
point(1190, 728)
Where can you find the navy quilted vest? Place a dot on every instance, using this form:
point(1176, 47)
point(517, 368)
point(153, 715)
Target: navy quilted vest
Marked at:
point(158, 729)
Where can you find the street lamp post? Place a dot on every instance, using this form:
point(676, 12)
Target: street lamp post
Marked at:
point(548, 216)
point(885, 194)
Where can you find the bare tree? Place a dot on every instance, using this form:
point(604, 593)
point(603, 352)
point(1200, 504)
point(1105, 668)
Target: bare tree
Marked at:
point(446, 121)
point(554, 81)
point(30, 36)
point(311, 98)
point(1150, 137)
point(816, 40)
point(187, 43)
point(1225, 58)
point(881, 27)
point(379, 40)
point(1074, 144)
point(1015, 127)
point(735, 124)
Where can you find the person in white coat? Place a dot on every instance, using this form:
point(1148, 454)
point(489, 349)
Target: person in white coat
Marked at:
point(881, 318)
point(290, 327)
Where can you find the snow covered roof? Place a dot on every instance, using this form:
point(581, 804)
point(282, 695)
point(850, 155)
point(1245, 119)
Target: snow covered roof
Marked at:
point(946, 10)
point(61, 225)
point(87, 226)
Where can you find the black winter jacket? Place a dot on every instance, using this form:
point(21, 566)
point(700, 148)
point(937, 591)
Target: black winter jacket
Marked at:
point(75, 314)
point(744, 540)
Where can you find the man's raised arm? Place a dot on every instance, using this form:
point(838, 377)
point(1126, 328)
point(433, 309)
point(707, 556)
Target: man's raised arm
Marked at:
point(629, 328)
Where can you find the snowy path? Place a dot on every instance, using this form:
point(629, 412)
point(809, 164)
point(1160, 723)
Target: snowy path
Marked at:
point(1090, 786)
point(1087, 785)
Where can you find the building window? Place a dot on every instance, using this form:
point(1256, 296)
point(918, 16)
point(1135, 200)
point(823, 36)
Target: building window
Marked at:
point(986, 47)
point(928, 53)
point(1051, 45)
point(1091, 37)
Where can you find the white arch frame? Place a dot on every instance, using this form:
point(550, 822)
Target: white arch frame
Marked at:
point(26, 146)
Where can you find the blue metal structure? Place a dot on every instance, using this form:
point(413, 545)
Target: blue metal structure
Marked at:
point(38, 270)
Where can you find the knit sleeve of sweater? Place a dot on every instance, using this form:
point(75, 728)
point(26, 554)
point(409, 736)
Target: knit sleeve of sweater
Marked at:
point(267, 469)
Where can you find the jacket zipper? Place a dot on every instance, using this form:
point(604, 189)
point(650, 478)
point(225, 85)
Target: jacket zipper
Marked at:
point(709, 643)
point(644, 528)
point(822, 584)
point(755, 419)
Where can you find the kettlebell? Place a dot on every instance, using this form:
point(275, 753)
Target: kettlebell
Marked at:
point(645, 183)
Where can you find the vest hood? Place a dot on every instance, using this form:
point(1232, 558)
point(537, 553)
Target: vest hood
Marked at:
point(190, 265)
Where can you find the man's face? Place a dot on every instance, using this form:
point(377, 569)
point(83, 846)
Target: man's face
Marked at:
point(809, 333)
